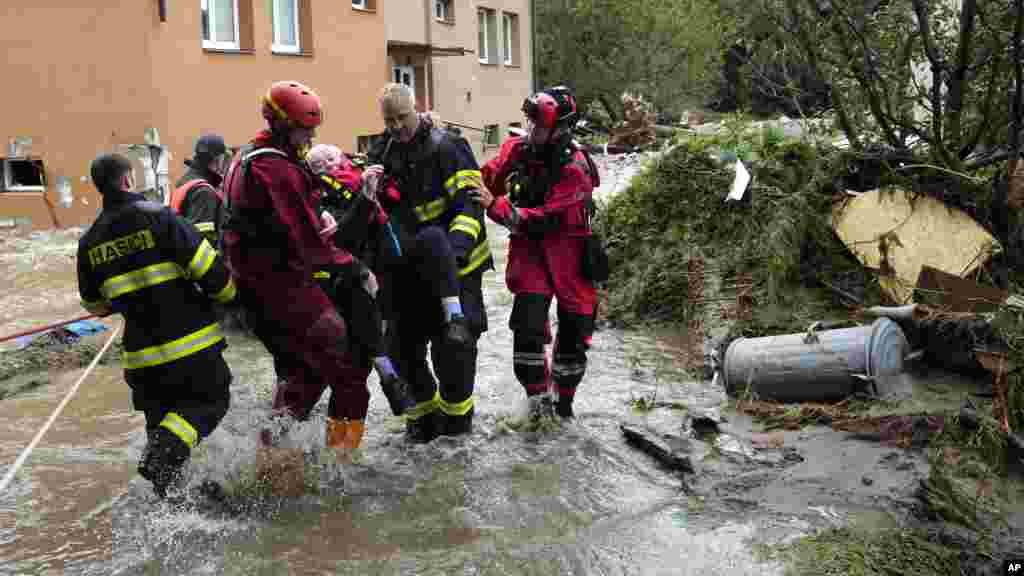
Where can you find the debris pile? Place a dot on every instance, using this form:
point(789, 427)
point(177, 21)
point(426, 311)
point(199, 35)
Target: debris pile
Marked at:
point(637, 127)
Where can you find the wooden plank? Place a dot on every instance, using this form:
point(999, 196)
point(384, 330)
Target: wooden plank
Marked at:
point(959, 294)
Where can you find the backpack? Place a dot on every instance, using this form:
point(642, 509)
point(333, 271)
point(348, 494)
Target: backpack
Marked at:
point(242, 223)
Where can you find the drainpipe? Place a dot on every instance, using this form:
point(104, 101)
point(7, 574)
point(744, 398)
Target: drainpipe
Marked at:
point(533, 46)
point(428, 65)
point(163, 10)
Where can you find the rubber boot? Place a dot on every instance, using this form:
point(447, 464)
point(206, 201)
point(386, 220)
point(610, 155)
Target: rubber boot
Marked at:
point(540, 407)
point(425, 428)
point(163, 460)
point(563, 408)
point(457, 425)
point(396, 390)
point(344, 434)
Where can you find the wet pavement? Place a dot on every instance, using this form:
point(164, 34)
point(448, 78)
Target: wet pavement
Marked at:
point(572, 499)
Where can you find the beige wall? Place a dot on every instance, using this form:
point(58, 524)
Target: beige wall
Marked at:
point(476, 94)
point(77, 81)
point(76, 101)
point(405, 19)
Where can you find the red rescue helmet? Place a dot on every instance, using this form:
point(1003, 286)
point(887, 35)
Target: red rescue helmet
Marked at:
point(293, 103)
point(552, 108)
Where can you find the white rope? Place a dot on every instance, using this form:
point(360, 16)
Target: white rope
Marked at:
point(39, 435)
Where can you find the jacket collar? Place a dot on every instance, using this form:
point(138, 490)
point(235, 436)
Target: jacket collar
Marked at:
point(111, 201)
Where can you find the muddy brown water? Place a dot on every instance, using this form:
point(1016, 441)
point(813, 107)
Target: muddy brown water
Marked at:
point(505, 500)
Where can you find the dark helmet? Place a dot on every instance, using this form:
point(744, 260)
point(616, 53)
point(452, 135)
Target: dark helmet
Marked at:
point(553, 108)
point(209, 146)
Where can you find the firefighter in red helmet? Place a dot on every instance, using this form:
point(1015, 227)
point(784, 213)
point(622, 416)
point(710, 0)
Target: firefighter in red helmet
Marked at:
point(274, 245)
point(540, 187)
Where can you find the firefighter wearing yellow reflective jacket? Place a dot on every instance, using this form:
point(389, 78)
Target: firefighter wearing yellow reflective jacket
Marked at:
point(422, 175)
point(139, 259)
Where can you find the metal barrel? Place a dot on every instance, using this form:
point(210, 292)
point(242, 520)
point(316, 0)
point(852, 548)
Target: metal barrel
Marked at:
point(814, 366)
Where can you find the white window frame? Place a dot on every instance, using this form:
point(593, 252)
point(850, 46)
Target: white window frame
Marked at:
point(507, 45)
point(483, 18)
point(360, 5)
point(442, 10)
point(214, 43)
point(276, 45)
point(402, 69)
point(8, 177)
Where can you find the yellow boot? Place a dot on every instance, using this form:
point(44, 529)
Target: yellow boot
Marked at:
point(344, 435)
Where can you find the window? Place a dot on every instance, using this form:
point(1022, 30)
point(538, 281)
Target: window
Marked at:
point(405, 75)
point(487, 38)
point(364, 4)
point(24, 175)
point(443, 11)
point(491, 135)
point(286, 26)
point(510, 38)
point(220, 24)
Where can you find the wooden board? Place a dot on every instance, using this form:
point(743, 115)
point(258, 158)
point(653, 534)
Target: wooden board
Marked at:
point(926, 232)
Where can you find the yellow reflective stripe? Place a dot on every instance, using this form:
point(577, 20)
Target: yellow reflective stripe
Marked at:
point(204, 226)
point(477, 257)
point(321, 275)
point(457, 408)
point(202, 260)
point(142, 278)
point(181, 428)
point(173, 350)
point(431, 210)
point(463, 179)
point(97, 307)
point(337, 185)
point(466, 224)
point(227, 293)
point(423, 408)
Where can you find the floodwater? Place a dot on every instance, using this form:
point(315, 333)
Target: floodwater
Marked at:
point(572, 499)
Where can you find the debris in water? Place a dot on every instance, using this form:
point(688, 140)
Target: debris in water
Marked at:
point(657, 448)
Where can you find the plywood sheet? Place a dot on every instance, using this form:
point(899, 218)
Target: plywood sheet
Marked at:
point(927, 233)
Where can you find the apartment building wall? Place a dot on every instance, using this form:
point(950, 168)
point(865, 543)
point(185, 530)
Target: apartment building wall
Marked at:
point(77, 82)
point(120, 70)
point(457, 86)
point(478, 93)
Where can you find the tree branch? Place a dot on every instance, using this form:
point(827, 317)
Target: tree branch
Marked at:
point(939, 150)
point(986, 113)
point(813, 59)
point(954, 111)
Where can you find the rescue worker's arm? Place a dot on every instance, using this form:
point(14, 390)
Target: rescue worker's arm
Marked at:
point(200, 261)
point(563, 209)
point(88, 287)
point(202, 210)
point(461, 175)
point(295, 209)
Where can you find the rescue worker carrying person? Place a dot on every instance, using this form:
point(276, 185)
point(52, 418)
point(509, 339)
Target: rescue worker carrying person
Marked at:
point(140, 260)
point(540, 187)
point(364, 231)
point(274, 245)
point(423, 175)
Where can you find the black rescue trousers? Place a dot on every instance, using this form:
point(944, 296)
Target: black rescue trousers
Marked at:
point(427, 276)
point(183, 402)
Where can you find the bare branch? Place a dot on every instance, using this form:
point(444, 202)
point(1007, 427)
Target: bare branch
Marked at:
point(957, 79)
point(924, 24)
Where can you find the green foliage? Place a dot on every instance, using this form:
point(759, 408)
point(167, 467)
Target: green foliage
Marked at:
point(780, 236)
point(863, 552)
point(936, 71)
point(602, 48)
